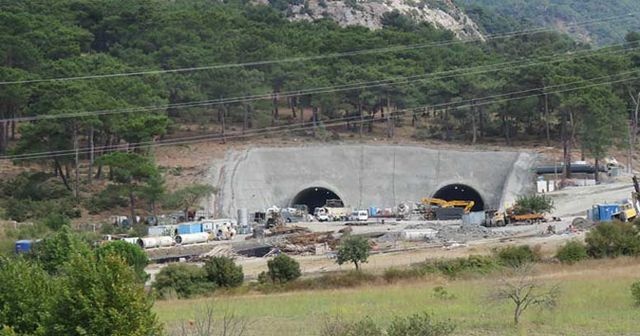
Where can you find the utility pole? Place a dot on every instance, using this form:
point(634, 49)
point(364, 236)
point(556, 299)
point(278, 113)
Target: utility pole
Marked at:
point(546, 118)
point(633, 131)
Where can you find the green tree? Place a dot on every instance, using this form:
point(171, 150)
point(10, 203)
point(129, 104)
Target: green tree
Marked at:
point(353, 249)
point(58, 249)
point(101, 297)
point(25, 293)
point(183, 280)
point(188, 196)
point(572, 252)
point(614, 239)
point(224, 272)
point(132, 171)
point(283, 269)
point(132, 254)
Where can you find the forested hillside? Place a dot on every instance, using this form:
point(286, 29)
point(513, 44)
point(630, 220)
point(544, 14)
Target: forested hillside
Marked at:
point(504, 15)
point(236, 69)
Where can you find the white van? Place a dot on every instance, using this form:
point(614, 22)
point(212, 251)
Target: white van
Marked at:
point(360, 215)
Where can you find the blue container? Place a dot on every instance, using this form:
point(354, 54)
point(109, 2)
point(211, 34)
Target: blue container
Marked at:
point(605, 212)
point(373, 211)
point(187, 228)
point(24, 246)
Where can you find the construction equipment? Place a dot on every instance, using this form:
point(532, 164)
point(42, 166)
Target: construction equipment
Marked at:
point(333, 210)
point(429, 204)
point(495, 218)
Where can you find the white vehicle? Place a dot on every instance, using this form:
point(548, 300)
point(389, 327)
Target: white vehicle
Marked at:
point(360, 216)
point(321, 214)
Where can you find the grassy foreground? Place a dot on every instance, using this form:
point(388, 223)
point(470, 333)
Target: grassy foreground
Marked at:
point(595, 300)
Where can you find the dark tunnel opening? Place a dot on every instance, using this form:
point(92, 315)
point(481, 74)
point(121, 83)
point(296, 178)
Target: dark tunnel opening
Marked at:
point(461, 192)
point(314, 197)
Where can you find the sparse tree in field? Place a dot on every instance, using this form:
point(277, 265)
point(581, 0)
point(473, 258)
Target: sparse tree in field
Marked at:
point(533, 204)
point(224, 272)
point(206, 323)
point(520, 288)
point(283, 269)
point(353, 249)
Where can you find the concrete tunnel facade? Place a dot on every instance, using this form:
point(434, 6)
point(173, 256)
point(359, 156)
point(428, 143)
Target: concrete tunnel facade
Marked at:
point(366, 175)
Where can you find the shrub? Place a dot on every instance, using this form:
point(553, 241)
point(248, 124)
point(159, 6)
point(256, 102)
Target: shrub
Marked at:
point(456, 267)
point(572, 252)
point(395, 274)
point(132, 254)
point(339, 327)
point(186, 280)
point(612, 240)
point(419, 325)
point(635, 292)
point(111, 197)
point(516, 256)
point(55, 221)
point(283, 269)
point(224, 272)
point(441, 293)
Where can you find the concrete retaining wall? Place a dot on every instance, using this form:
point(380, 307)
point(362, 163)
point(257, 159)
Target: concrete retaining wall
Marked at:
point(365, 175)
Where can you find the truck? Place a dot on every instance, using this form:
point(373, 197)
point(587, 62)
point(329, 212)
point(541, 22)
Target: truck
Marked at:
point(333, 210)
point(495, 218)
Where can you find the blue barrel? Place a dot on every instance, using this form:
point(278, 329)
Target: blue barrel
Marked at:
point(24, 246)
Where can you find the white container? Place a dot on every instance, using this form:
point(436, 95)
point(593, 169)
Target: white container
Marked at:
point(154, 242)
point(418, 234)
point(243, 217)
point(192, 238)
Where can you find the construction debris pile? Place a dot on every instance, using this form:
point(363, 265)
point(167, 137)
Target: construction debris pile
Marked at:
point(316, 243)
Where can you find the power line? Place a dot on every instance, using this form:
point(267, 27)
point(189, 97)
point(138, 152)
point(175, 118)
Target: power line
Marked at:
point(503, 66)
point(355, 119)
point(362, 52)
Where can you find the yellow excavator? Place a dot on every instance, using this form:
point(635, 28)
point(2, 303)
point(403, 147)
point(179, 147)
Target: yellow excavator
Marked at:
point(429, 203)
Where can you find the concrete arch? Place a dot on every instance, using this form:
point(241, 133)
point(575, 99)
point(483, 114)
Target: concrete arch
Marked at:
point(461, 190)
point(318, 184)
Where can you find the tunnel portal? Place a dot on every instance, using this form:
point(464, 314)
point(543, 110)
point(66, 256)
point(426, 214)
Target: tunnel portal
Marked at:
point(314, 197)
point(461, 192)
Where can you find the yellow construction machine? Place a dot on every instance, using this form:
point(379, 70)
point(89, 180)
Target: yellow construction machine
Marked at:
point(429, 203)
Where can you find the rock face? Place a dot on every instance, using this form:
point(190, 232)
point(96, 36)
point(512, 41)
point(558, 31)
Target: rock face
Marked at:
point(443, 14)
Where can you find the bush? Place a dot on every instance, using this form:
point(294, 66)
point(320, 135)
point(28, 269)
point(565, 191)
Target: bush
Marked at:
point(55, 221)
point(132, 254)
point(612, 240)
point(456, 267)
point(224, 272)
point(516, 256)
point(339, 327)
point(111, 197)
point(635, 292)
point(395, 274)
point(572, 252)
point(182, 279)
point(419, 325)
point(283, 269)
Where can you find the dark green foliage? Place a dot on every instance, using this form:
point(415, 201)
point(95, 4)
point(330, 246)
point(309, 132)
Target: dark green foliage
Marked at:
point(58, 249)
point(182, 280)
point(419, 325)
point(224, 272)
point(113, 196)
point(516, 256)
point(283, 269)
point(132, 254)
point(84, 295)
point(25, 293)
point(353, 249)
point(533, 204)
point(635, 292)
point(101, 297)
point(572, 252)
point(188, 196)
point(55, 221)
point(460, 266)
point(608, 240)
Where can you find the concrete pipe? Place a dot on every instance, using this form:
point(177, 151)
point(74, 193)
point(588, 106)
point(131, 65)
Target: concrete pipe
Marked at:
point(192, 238)
point(154, 242)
